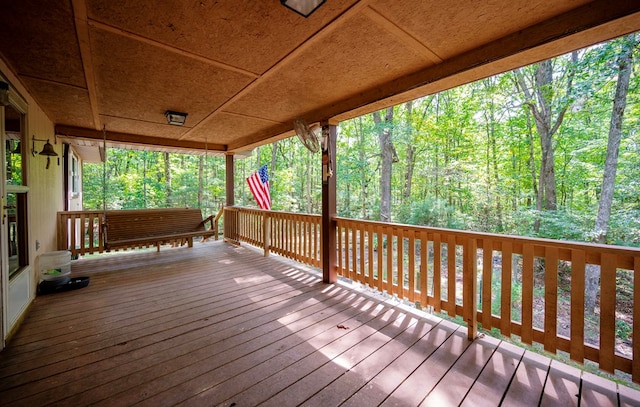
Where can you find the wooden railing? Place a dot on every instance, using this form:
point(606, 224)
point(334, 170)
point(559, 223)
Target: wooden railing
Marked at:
point(532, 290)
point(292, 235)
point(506, 283)
point(82, 232)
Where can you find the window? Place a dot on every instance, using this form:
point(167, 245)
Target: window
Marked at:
point(15, 215)
point(74, 175)
point(14, 208)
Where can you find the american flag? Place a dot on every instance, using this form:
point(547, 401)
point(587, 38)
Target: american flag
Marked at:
point(259, 186)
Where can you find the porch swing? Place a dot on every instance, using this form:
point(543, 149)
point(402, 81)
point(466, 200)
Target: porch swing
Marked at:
point(137, 228)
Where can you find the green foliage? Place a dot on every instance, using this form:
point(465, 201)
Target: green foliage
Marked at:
point(623, 330)
point(137, 179)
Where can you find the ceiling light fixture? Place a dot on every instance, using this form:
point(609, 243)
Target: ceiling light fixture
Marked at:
point(303, 7)
point(175, 118)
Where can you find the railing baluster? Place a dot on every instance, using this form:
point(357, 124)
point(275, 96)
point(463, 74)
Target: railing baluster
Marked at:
point(470, 287)
point(370, 280)
point(424, 278)
point(577, 305)
point(550, 299)
point(389, 234)
point(607, 312)
point(527, 294)
point(412, 266)
point(437, 272)
point(353, 271)
point(451, 276)
point(635, 360)
point(362, 251)
point(341, 248)
point(505, 306)
point(487, 276)
point(347, 250)
point(266, 233)
point(379, 248)
point(400, 264)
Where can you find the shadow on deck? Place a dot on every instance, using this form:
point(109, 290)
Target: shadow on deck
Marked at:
point(223, 325)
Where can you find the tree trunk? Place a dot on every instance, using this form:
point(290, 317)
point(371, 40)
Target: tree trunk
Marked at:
point(387, 153)
point(410, 160)
point(541, 105)
point(167, 179)
point(363, 171)
point(200, 180)
point(309, 183)
point(274, 154)
point(625, 66)
point(144, 179)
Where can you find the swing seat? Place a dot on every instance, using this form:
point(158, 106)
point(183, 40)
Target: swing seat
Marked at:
point(154, 227)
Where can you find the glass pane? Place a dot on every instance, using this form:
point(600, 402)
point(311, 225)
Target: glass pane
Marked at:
point(14, 146)
point(12, 219)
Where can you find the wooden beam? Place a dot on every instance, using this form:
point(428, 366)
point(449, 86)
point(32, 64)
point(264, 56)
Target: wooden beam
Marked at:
point(136, 140)
point(82, 33)
point(229, 180)
point(328, 229)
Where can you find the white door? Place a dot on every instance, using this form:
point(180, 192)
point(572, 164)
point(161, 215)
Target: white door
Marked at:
point(15, 282)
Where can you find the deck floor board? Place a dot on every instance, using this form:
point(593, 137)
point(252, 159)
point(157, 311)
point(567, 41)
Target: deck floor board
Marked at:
point(223, 325)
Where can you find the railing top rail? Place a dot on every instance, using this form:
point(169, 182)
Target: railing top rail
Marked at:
point(248, 209)
point(80, 212)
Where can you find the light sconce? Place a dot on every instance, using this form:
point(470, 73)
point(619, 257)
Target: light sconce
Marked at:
point(4, 93)
point(47, 150)
point(175, 118)
point(303, 7)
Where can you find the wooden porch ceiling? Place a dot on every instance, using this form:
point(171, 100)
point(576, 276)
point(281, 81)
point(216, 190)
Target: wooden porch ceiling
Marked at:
point(220, 325)
point(243, 70)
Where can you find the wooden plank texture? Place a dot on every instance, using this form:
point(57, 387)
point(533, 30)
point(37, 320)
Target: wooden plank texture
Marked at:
point(220, 324)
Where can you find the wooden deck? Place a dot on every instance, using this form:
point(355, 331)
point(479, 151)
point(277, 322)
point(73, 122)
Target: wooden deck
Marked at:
point(220, 325)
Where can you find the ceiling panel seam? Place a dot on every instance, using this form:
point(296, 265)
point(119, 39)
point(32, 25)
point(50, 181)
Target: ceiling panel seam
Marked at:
point(127, 34)
point(327, 29)
point(402, 35)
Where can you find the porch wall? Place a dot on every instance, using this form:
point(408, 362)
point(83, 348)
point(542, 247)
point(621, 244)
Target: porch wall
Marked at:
point(45, 196)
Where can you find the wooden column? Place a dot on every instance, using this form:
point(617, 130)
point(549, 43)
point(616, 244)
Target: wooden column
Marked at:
point(328, 229)
point(229, 181)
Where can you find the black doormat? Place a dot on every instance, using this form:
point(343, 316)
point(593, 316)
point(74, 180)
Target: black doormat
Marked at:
point(50, 287)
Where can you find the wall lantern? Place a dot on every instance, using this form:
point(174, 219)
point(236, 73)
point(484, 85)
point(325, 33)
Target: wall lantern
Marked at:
point(175, 118)
point(303, 7)
point(4, 93)
point(47, 150)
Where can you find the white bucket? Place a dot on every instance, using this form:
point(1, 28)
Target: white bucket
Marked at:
point(55, 265)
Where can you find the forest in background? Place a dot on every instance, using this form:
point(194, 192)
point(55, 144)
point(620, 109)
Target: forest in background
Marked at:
point(520, 153)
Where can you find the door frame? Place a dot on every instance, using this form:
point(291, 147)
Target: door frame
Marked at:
point(18, 103)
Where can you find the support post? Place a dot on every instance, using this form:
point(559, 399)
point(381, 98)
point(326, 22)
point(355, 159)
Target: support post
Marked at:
point(470, 287)
point(229, 180)
point(230, 216)
point(328, 229)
